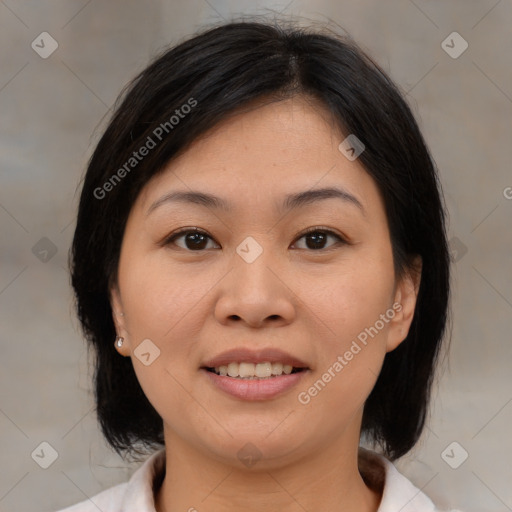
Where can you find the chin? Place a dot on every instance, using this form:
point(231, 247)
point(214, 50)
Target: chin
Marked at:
point(255, 450)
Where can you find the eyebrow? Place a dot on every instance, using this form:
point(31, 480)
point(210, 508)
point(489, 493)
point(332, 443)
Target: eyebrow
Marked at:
point(291, 201)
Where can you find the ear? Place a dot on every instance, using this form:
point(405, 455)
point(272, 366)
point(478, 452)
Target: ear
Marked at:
point(119, 320)
point(404, 305)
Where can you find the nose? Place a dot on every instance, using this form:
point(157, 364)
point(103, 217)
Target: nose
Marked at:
point(256, 294)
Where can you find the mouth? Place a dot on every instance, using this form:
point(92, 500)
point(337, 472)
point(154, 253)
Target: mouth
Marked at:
point(252, 371)
point(252, 387)
point(247, 374)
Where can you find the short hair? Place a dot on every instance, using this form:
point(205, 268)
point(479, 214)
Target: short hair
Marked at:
point(217, 72)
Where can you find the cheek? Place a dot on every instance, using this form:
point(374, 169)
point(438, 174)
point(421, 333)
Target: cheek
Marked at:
point(353, 349)
point(159, 305)
point(157, 296)
point(353, 297)
point(353, 335)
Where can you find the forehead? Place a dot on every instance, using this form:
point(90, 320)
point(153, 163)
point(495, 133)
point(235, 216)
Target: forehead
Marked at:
point(266, 150)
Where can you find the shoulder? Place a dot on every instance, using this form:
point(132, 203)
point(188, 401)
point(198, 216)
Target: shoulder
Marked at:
point(110, 499)
point(136, 495)
point(398, 493)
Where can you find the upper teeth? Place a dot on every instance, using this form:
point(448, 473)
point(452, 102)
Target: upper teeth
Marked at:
point(254, 370)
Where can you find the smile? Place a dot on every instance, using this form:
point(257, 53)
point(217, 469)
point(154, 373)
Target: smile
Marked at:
point(264, 370)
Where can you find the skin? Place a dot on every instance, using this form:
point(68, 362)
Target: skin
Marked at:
point(311, 302)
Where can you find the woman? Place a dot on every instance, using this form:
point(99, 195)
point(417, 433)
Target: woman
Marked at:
point(261, 267)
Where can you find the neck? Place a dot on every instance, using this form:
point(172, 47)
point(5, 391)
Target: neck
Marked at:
point(329, 481)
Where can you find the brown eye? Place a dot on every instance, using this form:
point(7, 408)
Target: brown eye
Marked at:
point(316, 238)
point(194, 239)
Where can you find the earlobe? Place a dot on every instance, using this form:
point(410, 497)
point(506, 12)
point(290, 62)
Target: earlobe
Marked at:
point(406, 296)
point(120, 346)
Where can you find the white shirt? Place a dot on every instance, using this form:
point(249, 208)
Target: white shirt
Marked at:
point(137, 495)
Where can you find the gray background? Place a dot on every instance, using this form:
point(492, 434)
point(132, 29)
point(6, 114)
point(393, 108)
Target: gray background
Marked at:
point(51, 115)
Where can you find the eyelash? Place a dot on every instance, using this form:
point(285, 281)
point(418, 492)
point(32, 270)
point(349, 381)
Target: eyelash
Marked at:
point(317, 229)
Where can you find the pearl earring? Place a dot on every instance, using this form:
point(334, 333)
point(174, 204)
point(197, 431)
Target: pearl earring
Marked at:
point(119, 341)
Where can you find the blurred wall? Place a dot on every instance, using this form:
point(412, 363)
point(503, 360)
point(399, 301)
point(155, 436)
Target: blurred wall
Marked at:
point(51, 115)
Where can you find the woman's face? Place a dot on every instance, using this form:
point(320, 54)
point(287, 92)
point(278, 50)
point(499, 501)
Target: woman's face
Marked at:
point(254, 282)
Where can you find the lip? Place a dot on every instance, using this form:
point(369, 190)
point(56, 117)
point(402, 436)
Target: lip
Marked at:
point(244, 355)
point(255, 389)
